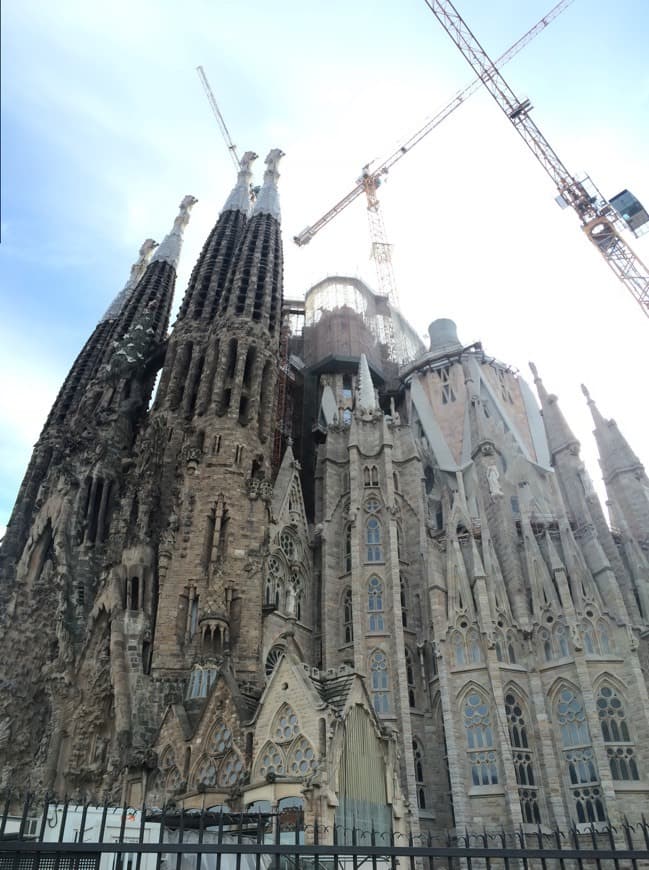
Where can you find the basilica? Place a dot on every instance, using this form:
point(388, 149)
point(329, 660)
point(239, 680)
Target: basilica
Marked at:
point(285, 555)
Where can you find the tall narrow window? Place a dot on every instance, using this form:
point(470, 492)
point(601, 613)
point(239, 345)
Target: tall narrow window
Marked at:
point(579, 757)
point(347, 552)
point(523, 760)
point(375, 604)
point(373, 538)
point(418, 756)
point(410, 679)
point(404, 603)
point(615, 731)
point(480, 740)
point(348, 617)
point(374, 475)
point(380, 681)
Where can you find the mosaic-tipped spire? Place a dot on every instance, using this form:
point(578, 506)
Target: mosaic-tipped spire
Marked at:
point(239, 199)
point(169, 250)
point(137, 270)
point(558, 432)
point(267, 201)
point(615, 453)
point(366, 395)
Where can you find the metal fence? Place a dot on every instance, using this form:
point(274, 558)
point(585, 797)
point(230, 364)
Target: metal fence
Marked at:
point(51, 835)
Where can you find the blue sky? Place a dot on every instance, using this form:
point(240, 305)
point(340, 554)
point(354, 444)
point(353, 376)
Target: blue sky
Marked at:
point(105, 128)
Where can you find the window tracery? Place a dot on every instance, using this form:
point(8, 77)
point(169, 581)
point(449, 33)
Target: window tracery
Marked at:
point(286, 725)
point(289, 545)
point(480, 740)
point(271, 760)
point(524, 762)
point(615, 731)
point(597, 638)
point(231, 770)
point(579, 757)
point(302, 759)
point(506, 646)
point(373, 540)
point(375, 604)
point(553, 638)
point(220, 739)
point(201, 681)
point(275, 578)
point(380, 681)
point(466, 646)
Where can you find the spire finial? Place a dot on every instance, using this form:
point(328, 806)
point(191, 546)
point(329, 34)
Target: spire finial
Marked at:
point(239, 199)
point(137, 270)
point(366, 397)
point(169, 250)
point(268, 197)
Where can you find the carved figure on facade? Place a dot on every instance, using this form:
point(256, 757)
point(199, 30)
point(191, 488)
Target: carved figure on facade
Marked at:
point(493, 481)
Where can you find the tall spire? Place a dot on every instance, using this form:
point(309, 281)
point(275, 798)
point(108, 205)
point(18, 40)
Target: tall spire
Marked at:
point(253, 291)
point(239, 199)
point(366, 395)
point(169, 250)
point(267, 201)
point(559, 434)
point(210, 274)
point(615, 453)
point(137, 270)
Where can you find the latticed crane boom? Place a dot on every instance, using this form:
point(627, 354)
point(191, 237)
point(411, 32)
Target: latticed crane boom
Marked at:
point(370, 180)
point(599, 219)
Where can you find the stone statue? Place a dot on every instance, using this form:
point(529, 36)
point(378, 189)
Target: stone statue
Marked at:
point(493, 479)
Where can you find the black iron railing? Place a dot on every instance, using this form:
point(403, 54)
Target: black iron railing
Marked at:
point(48, 834)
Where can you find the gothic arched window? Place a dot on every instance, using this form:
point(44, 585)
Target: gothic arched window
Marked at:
point(373, 539)
point(615, 731)
point(375, 604)
point(418, 755)
point(348, 617)
point(480, 740)
point(579, 757)
point(380, 681)
point(523, 760)
point(274, 582)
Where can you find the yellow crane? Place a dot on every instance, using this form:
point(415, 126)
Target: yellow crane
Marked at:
point(600, 220)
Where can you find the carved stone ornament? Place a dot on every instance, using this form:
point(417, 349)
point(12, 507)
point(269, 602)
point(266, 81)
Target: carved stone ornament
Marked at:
point(493, 480)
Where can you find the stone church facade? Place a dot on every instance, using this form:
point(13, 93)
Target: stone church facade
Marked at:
point(259, 566)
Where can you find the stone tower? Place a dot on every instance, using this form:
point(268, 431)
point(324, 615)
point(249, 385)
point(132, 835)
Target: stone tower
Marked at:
point(420, 618)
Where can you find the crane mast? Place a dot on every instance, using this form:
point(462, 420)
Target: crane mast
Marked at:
point(232, 148)
point(599, 220)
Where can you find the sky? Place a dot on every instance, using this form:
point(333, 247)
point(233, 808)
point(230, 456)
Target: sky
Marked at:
point(105, 127)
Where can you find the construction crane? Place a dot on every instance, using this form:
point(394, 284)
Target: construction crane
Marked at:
point(370, 179)
point(599, 219)
point(232, 148)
